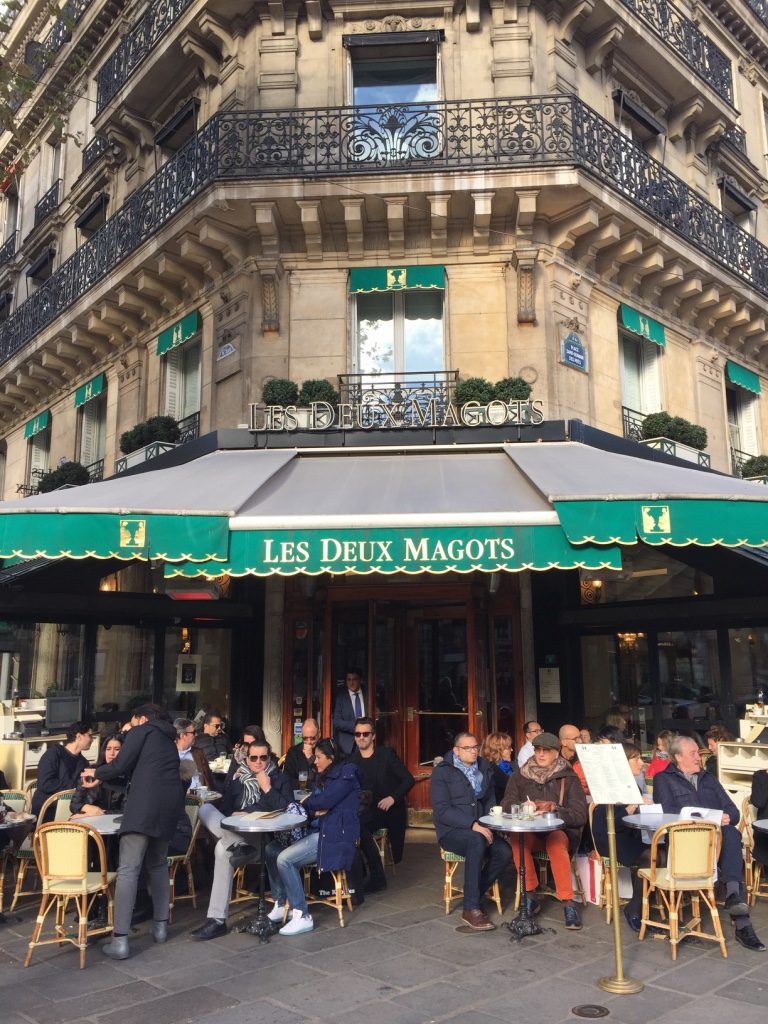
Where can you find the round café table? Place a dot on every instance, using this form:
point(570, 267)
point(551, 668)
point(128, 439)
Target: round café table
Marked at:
point(260, 925)
point(523, 924)
point(650, 822)
point(104, 824)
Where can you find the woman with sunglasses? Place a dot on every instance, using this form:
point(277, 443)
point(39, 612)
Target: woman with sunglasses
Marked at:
point(334, 831)
point(258, 785)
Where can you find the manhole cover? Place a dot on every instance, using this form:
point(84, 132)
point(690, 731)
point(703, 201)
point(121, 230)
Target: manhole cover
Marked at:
point(590, 1011)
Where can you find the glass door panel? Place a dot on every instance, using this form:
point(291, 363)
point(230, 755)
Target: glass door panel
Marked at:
point(441, 664)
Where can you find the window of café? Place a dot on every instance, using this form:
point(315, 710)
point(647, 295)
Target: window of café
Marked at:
point(196, 671)
point(37, 660)
point(123, 670)
point(616, 673)
point(647, 574)
point(689, 676)
point(749, 665)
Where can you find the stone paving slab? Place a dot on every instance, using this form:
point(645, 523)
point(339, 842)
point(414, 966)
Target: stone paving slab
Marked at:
point(399, 960)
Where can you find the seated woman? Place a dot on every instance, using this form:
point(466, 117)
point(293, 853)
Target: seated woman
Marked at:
point(497, 751)
point(631, 851)
point(101, 797)
point(715, 735)
point(334, 831)
point(549, 781)
point(660, 759)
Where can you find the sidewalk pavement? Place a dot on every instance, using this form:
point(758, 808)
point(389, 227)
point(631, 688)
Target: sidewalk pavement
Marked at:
point(399, 960)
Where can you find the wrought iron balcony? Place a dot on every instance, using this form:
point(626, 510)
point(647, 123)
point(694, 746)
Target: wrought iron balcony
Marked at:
point(49, 203)
point(189, 428)
point(95, 149)
point(135, 47)
point(32, 484)
point(760, 7)
point(633, 423)
point(8, 248)
point(95, 471)
point(689, 42)
point(487, 135)
point(737, 137)
point(739, 460)
point(405, 396)
point(40, 55)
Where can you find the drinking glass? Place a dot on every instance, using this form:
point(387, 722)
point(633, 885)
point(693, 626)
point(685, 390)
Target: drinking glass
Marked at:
point(303, 776)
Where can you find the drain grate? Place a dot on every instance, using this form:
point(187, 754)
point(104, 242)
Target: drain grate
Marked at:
point(590, 1010)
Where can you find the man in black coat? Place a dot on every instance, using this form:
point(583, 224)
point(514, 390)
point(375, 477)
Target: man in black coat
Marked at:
point(61, 766)
point(462, 792)
point(387, 779)
point(153, 806)
point(685, 784)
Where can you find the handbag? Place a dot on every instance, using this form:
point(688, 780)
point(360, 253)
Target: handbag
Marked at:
point(589, 868)
point(287, 839)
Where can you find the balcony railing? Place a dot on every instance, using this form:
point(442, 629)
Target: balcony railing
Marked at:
point(8, 248)
point(487, 135)
point(95, 149)
point(95, 471)
point(406, 396)
point(633, 423)
point(737, 137)
point(135, 47)
point(49, 203)
point(760, 7)
point(189, 428)
point(40, 55)
point(689, 42)
point(32, 485)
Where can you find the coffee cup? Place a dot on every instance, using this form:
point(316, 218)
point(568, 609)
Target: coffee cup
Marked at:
point(202, 791)
point(496, 810)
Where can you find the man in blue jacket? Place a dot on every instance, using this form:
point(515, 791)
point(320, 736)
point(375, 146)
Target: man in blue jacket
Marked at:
point(462, 792)
point(684, 784)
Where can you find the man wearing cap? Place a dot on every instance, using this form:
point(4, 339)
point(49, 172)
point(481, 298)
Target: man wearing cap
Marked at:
point(549, 781)
point(462, 792)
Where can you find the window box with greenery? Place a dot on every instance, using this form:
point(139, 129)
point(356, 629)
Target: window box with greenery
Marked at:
point(675, 436)
point(147, 440)
point(68, 474)
point(756, 469)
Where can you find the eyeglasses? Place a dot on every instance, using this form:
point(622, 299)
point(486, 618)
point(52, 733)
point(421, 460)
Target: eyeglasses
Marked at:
point(474, 746)
point(189, 732)
point(533, 732)
point(309, 739)
point(258, 757)
point(363, 734)
point(219, 726)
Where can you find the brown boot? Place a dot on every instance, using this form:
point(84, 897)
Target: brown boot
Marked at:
point(478, 920)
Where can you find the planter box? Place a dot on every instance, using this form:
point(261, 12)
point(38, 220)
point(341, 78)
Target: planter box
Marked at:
point(757, 479)
point(149, 451)
point(680, 451)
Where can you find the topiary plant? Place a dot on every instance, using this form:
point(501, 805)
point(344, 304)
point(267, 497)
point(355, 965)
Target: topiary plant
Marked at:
point(688, 433)
point(69, 473)
point(756, 466)
point(512, 389)
point(319, 390)
point(156, 428)
point(474, 389)
point(280, 391)
point(657, 424)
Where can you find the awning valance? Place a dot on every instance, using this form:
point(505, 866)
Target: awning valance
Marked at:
point(90, 390)
point(37, 425)
point(395, 279)
point(180, 332)
point(643, 325)
point(742, 377)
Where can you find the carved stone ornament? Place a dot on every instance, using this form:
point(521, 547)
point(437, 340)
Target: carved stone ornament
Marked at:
point(525, 262)
point(270, 302)
point(392, 23)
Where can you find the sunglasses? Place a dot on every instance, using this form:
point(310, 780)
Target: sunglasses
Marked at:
point(363, 734)
point(258, 757)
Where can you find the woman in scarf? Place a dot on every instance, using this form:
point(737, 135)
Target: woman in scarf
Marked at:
point(257, 785)
point(552, 785)
point(497, 751)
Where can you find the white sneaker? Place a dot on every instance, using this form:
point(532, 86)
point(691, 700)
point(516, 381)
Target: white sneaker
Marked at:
point(297, 923)
point(277, 913)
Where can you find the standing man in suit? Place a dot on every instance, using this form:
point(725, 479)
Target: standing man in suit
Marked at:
point(388, 780)
point(350, 705)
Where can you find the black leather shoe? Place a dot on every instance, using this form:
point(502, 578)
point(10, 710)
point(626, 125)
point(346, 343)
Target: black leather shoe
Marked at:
point(736, 906)
point(746, 936)
point(243, 855)
point(633, 920)
point(212, 929)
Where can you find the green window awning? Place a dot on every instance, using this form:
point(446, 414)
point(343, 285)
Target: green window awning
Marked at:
point(742, 377)
point(180, 332)
point(90, 390)
point(643, 325)
point(37, 425)
point(395, 279)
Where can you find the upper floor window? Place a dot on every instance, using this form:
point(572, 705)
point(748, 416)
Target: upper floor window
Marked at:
point(12, 211)
point(38, 435)
point(91, 403)
point(736, 205)
point(641, 342)
point(742, 396)
point(180, 345)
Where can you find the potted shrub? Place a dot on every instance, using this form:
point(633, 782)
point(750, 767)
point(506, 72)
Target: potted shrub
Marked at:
point(69, 474)
point(756, 468)
point(512, 389)
point(317, 390)
point(475, 392)
point(675, 436)
point(156, 428)
point(280, 391)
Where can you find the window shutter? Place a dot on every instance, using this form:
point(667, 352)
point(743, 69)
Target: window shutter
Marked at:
point(748, 424)
point(631, 374)
point(651, 379)
point(173, 376)
point(88, 428)
point(191, 381)
point(38, 454)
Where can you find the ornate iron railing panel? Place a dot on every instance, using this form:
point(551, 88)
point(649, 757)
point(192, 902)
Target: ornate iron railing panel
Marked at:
point(189, 428)
point(493, 134)
point(760, 7)
point(48, 203)
point(135, 47)
point(398, 398)
point(95, 471)
point(95, 149)
point(32, 485)
point(737, 137)
point(633, 423)
point(8, 248)
point(688, 41)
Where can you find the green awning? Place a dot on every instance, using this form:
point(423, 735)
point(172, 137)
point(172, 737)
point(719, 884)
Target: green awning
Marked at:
point(392, 279)
point(37, 425)
point(742, 377)
point(643, 325)
point(90, 390)
point(104, 535)
point(435, 550)
point(180, 332)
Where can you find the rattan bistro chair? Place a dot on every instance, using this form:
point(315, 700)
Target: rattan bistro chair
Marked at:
point(383, 845)
point(61, 854)
point(453, 892)
point(192, 806)
point(755, 880)
point(691, 858)
point(335, 899)
point(14, 800)
point(25, 855)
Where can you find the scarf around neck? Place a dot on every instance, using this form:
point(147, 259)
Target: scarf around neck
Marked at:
point(251, 789)
point(472, 772)
point(532, 771)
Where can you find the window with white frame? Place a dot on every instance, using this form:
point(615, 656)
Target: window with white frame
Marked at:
point(92, 425)
point(640, 374)
point(12, 210)
point(182, 380)
point(38, 453)
point(399, 331)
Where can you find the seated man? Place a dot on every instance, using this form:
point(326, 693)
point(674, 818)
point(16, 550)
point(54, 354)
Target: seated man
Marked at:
point(212, 741)
point(462, 792)
point(686, 784)
point(257, 786)
point(551, 783)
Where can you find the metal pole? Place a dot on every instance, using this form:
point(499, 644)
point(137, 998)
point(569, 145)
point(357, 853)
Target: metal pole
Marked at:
point(617, 984)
